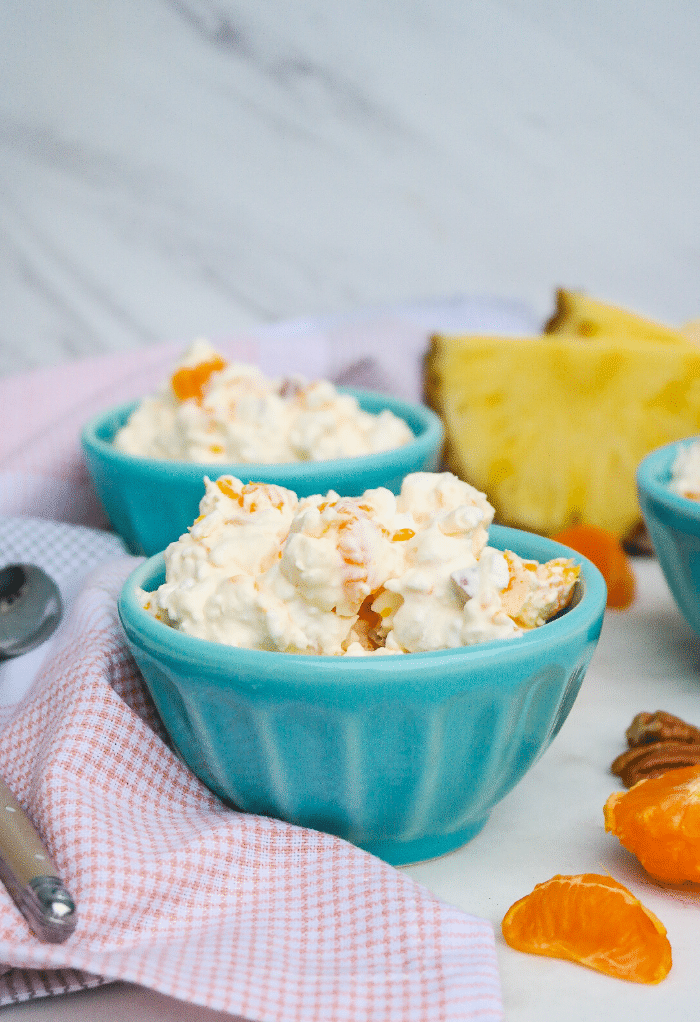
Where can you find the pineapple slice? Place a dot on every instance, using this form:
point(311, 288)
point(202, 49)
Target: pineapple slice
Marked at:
point(552, 428)
point(577, 314)
point(691, 331)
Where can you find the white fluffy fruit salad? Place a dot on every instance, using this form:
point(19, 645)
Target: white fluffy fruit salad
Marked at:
point(685, 471)
point(352, 576)
point(216, 412)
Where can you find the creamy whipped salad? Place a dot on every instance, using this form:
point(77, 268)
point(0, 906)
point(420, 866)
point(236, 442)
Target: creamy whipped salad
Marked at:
point(219, 412)
point(356, 576)
point(685, 472)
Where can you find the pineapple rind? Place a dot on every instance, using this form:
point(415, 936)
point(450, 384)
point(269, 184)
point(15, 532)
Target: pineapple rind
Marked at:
point(552, 428)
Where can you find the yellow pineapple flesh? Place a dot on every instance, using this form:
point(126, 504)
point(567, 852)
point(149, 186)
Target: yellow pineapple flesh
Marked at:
point(580, 315)
point(553, 427)
point(691, 331)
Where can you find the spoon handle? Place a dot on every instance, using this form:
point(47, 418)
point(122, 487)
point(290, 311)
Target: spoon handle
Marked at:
point(30, 876)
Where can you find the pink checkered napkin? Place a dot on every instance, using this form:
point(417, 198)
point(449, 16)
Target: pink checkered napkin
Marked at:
point(176, 892)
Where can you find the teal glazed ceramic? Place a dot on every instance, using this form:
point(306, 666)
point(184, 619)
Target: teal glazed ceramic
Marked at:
point(151, 503)
point(403, 755)
point(674, 526)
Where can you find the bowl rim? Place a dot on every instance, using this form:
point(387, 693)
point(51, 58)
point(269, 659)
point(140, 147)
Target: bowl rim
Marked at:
point(654, 474)
point(426, 426)
point(588, 611)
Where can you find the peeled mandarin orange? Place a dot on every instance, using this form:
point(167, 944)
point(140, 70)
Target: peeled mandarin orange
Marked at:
point(190, 381)
point(605, 550)
point(658, 820)
point(592, 920)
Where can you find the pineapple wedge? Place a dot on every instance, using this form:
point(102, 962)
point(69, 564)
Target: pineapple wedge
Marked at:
point(577, 314)
point(691, 331)
point(552, 427)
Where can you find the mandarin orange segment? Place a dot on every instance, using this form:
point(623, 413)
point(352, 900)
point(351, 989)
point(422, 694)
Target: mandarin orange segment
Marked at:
point(228, 490)
point(605, 550)
point(592, 920)
point(658, 820)
point(190, 381)
point(402, 535)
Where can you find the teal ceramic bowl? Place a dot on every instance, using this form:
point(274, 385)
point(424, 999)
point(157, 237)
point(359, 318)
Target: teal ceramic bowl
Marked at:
point(674, 526)
point(151, 503)
point(402, 755)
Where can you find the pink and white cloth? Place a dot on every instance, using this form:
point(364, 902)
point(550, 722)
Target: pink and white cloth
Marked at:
point(176, 892)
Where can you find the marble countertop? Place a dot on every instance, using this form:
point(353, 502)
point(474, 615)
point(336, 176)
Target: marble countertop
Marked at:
point(172, 168)
point(177, 167)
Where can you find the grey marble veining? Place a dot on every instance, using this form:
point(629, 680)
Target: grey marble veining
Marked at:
point(176, 167)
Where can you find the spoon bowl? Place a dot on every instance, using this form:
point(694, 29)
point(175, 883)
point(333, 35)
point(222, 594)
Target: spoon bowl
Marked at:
point(30, 608)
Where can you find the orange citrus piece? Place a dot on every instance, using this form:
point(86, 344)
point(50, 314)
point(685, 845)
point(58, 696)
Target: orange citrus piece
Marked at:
point(658, 820)
point(592, 920)
point(605, 550)
point(191, 380)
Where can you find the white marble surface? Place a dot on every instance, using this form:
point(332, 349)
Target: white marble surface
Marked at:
point(173, 167)
point(182, 167)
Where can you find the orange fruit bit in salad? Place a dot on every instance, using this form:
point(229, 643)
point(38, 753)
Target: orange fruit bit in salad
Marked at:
point(402, 536)
point(658, 820)
point(228, 490)
point(593, 920)
point(190, 381)
point(605, 550)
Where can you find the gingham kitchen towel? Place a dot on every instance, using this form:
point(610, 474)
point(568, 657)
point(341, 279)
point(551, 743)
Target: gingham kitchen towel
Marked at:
point(176, 892)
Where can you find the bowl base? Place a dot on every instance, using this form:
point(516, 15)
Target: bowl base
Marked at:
point(408, 853)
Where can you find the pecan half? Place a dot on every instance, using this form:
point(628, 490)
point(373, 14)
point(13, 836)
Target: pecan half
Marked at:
point(654, 759)
point(649, 728)
point(638, 541)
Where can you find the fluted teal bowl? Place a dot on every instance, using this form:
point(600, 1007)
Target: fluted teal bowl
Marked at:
point(150, 503)
point(674, 526)
point(403, 755)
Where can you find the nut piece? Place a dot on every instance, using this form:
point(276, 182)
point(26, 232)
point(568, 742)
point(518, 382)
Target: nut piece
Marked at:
point(648, 728)
point(657, 742)
point(638, 541)
point(654, 759)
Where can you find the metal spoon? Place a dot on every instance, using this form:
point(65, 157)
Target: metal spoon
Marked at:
point(30, 876)
point(30, 608)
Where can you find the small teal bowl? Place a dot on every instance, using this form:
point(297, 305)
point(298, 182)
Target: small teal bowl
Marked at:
point(674, 526)
point(151, 503)
point(403, 755)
